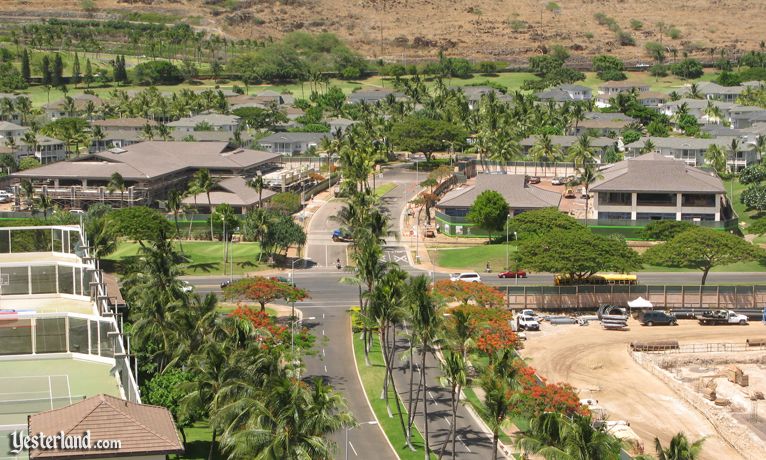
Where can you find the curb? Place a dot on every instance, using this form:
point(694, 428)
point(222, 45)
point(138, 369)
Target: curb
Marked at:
point(359, 377)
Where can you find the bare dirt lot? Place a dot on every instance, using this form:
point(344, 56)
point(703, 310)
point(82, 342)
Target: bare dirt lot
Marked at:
point(508, 30)
point(597, 363)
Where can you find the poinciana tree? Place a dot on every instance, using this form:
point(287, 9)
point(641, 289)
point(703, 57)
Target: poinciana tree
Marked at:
point(464, 292)
point(262, 290)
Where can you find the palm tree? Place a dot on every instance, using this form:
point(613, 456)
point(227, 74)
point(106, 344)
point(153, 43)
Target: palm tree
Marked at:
point(589, 176)
point(679, 448)
point(44, 204)
point(257, 183)
point(648, 146)
point(147, 132)
point(204, 183)
point(98, 135)
point(545, 151)
point(101, 238)
point(733, 149)
point(117, 183)
point(556, 435)
point(426, 324)
point(455, 377)
point(28, 189)
point(30, 138)
point(175, 204)
point(164, 132)
point(715, 156)
point(581, 153)
point(694, 91)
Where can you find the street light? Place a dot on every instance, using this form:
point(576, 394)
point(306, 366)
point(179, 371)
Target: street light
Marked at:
point(371, 422)
point(292, 302)
point(507, 248)
point(516, 238)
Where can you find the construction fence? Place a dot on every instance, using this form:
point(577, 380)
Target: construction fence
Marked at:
point(668, 297)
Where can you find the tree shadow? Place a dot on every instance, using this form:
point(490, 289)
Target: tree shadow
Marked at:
point(205, 267)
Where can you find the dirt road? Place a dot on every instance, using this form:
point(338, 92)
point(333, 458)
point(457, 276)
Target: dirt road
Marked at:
point(597, 363)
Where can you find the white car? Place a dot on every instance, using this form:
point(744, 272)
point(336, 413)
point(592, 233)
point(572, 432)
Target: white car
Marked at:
point(186, 286)
point(558, 181)
point(469, 277)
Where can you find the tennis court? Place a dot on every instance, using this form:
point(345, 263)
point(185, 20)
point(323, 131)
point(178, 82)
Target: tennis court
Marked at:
point(37, 385)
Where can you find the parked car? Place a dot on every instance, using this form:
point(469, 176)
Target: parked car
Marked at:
point(225, 283)
point(339, 236)
point(569, 193)
point(533, 180)
point(652, 317)
point(469, 277)
point(533, 314)
point(529, 323)
point(558, 180)
point(513, 274)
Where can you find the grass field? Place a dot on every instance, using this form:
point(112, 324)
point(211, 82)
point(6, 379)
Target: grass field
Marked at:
point(474, 257)
point(372, 379)
point(512, 80)
point(205, 257)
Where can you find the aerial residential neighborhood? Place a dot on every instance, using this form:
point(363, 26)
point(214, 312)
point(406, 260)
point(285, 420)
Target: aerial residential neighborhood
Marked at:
point(237, 230)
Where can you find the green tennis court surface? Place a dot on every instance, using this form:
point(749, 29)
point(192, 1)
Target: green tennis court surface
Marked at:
point(36, 385)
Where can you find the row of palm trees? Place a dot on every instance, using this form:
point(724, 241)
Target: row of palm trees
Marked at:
point(250, 393)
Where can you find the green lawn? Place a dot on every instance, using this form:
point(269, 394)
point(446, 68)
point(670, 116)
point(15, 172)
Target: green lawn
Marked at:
point(474, 257)
point(198, 442)
point(372, 379)
point(512, 80)
point(206, 257)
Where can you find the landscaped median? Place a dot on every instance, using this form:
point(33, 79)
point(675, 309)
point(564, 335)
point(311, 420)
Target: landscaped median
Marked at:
point(372, 380)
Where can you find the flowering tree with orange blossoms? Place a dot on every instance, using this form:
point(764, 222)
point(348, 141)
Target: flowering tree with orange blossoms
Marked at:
point(263, 290)
point(464, 292)
point(268, 332)
point(536, 396)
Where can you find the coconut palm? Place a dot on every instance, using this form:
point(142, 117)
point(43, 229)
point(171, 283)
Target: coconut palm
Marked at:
point(454, 377)
point(426, 324)
point(44, 204)
point(117, 183)
point(554, 435)
point(545, 151)
point(257, 183)
point(679, 448)
point(694, 91)
point(97, 134)
point(101, 238)
point(581, 153)
point(715, 156)
point(175, 205)
point(30, 138)
point(204, 183)
point(590, 174)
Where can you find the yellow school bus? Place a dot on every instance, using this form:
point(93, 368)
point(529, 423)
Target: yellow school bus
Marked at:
point(598, 278)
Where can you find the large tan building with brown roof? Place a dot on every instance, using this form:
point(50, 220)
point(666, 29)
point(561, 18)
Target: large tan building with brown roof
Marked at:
point(149, 169)
point(655, 187)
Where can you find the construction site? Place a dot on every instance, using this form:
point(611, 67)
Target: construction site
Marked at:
point(705, 381)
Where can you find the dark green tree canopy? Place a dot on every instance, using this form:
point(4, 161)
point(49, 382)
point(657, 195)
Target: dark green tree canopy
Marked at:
point(419, 134)
point(702, 248)
point(157, 73)
point(576, 253)
point(489, 211)
point(139, 223)
point(664, 230)
point(530, 224)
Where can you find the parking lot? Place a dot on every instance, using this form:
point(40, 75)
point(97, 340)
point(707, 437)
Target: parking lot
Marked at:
point(597, 363)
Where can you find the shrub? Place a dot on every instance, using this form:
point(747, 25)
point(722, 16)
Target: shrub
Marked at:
point(517, 25)
point(687, 68)
point(658, 70)
point(674, 33)
point(625, 38)
point(635, 24)
point(752, 174)
point(157, 73)
point(614, 75)
point(664, 230)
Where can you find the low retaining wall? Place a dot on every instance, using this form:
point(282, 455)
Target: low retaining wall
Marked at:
point(740, 437)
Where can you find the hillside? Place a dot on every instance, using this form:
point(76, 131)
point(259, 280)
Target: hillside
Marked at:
point(508, 30)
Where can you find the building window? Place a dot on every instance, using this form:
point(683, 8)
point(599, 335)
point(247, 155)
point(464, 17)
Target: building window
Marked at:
point(655, 216)
point(615, 198)
point(698, 200)
point(656, 199)
point(614, 215)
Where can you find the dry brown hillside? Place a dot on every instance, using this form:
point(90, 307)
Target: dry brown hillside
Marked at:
point(507, 30)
